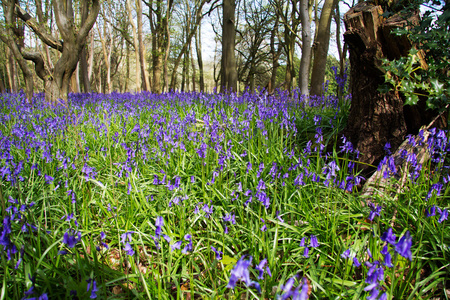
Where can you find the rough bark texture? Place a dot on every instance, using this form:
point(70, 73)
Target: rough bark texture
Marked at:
point(229, 70)
point(377, 118)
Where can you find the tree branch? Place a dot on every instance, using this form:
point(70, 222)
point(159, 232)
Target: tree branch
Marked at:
point(38, 29)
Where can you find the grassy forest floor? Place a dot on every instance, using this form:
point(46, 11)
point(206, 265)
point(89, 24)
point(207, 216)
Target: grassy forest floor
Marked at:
point(210, 196)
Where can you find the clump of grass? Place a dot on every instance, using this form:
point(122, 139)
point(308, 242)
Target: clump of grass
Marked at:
point(208, 195)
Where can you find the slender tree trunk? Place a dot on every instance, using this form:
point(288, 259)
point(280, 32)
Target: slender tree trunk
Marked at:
point(83, 57)
point(106, 55)
point(127, 66)
point(11, 71)
point(198, 46)
point(194, 72)
point(91, 58)
point(136, 47)
point(321, 43)
point(306, 48)
point(145, 80)
point(229, 70)
point(275, 54)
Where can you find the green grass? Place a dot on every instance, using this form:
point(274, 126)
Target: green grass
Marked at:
point(110, 150)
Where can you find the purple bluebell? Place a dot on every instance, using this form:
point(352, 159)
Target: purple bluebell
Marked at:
point(264, 227)
point(241, 272)
point(176, 245)
point(260, 268)
point(346, 254)
point(71, 238)
point(403, 247)
point(48, 179)
point(388, 236)
point(94, 290)
point(374, 211)
point(128, 249)
point(388, 259)
point(303, 294)
point(356, 262)
point(431, 211)
point(303, 242)
point(189, 247)
point(218, 253)
point(159, 224)
point(443, 215)
point(314, 243)
point(306, 252)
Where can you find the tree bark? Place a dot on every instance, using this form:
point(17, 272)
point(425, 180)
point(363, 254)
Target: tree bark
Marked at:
point(377, 118)
point(198, 46)
point(74, 39)
point(142, 60)
point(306, 48)
point(229, 70)
point(321, 44)
point(13, 37)
point(83, 57)
point(136, 46)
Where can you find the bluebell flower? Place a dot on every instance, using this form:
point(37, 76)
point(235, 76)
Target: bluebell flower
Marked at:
point(303, 295)
point(126, 236)
point(159, 224)
point(260, 268)
point(176, 245)
point(356, 262)
point(346, 254)
point(306, 252)
point(403, 247)
point(189, 246)
point(314, 243)
point(373, 294)
point(94, 288)
point(431, 211)
point(241, 272)
point(388, 236)
point(388, 260)
point(443, 215)
point(374, 211)
point(71, 238)
point(303, 242)
point(48, 179)
point(128, 249)
point(218, 253)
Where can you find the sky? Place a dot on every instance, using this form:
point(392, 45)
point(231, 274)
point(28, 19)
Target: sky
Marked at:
point(209, 44)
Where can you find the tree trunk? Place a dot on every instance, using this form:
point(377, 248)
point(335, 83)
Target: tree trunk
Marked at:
point(229, 70)
point(306, 48)
point(142, 59)
point(275, 54)
point(83, 57)
point(377, 118)
point(321, 43)
point(136, 46)
point(198, 46)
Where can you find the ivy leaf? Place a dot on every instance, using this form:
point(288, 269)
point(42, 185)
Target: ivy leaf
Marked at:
point(438, 88)
point(411, 99)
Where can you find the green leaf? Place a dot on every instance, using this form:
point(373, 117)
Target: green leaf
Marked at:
point(411, 99)
point(437, 86)
point(228, 262)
